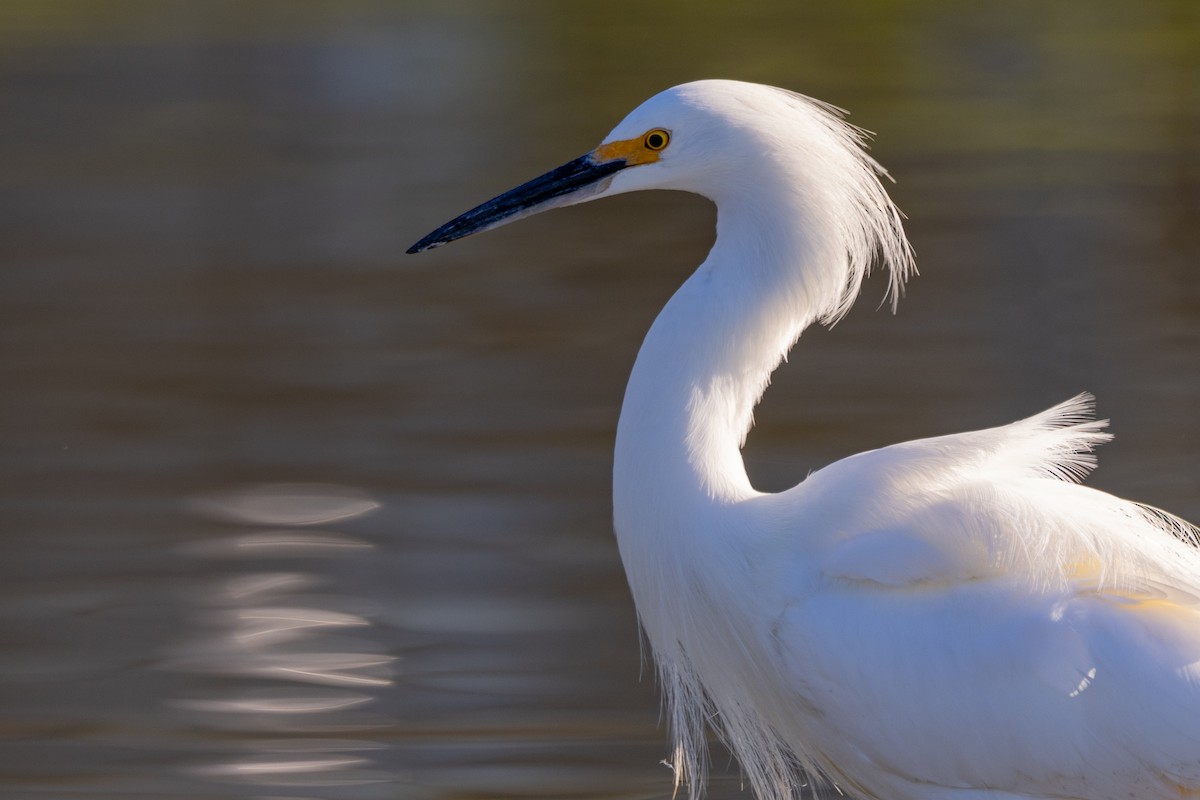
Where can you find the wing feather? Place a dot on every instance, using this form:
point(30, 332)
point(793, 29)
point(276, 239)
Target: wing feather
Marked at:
point(1003, 500)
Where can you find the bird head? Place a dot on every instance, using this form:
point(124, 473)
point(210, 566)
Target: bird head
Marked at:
point(767, 158)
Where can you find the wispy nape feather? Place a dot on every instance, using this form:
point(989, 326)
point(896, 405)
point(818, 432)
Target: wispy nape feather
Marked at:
point(864, 218)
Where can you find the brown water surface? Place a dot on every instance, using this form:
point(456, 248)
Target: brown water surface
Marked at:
point(287, 514)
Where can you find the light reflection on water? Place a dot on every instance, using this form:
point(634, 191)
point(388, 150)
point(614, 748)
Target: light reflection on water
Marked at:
point(292, 683)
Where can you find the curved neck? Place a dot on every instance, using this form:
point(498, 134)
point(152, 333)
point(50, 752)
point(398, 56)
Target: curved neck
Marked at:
point(707, 359)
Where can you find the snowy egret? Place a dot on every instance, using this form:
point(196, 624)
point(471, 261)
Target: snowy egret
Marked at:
point(954, 618)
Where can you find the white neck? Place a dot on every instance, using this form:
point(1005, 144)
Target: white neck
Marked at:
point(708, 357)
point(800, 216)
point(678, 475)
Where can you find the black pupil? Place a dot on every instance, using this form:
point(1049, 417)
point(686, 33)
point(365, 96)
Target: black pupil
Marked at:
point(655, 140)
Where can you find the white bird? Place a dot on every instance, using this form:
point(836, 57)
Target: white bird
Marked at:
point(952, 618)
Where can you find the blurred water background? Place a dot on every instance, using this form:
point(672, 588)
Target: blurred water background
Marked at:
point(287, 514)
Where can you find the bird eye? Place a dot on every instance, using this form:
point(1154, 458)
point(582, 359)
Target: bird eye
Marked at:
point(656, 139)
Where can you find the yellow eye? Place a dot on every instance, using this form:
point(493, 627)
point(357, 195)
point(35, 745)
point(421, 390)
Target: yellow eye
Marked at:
point(656, 139)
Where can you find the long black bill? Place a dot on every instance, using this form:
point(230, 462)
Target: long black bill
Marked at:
point(528, 198)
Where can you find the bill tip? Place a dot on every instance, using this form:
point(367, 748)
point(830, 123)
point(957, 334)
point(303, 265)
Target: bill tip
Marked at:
point(422, 246)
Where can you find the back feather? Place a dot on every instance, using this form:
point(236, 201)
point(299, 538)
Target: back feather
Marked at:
point(1057, 443)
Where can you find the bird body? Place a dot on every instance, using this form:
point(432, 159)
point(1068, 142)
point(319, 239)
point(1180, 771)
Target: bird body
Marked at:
point(951, 618)
point(900, 624)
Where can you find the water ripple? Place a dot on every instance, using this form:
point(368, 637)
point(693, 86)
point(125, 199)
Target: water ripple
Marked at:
point(291, 656)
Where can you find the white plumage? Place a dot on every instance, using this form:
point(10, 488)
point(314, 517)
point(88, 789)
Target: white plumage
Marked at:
point(944, 619)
